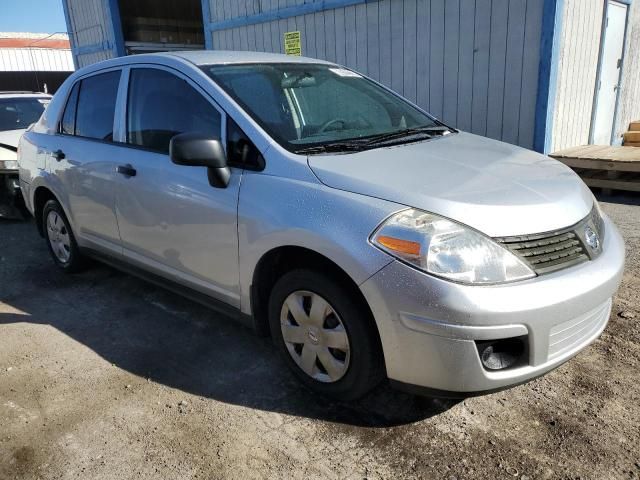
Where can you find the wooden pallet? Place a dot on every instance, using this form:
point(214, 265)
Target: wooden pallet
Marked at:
point(631, 138)
point(614, 168)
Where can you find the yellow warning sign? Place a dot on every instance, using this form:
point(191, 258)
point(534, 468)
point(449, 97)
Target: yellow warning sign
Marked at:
point(292, 45)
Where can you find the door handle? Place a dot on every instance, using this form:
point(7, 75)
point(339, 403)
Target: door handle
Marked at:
point(58, 155)
point(126, 170)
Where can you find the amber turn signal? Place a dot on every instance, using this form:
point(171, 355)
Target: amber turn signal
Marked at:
point(398, 245)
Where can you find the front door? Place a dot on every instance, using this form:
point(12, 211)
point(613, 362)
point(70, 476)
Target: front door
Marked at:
point(610, 68)
point(172, 221)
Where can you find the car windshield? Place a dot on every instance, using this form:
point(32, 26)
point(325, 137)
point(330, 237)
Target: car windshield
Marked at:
point(310, 105)
point(19, 113)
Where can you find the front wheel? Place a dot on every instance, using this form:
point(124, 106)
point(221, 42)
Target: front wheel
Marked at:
point(60, 240)
point(325, 335)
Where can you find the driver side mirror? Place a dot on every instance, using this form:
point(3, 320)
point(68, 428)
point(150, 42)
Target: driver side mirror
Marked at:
point(196, 150)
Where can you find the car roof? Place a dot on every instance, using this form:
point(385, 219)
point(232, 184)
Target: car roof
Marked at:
point(225, 57)
point(196, 58)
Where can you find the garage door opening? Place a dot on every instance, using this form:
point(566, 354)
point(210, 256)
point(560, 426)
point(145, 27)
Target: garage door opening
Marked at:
point(161, 25)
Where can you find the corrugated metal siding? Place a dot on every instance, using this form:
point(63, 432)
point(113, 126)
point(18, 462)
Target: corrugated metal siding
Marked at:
point(577, 72)
point(90, 26)
point(90, 58)
point(35, 59)
point(629, 103)
point(227, 9)
point(472, 63)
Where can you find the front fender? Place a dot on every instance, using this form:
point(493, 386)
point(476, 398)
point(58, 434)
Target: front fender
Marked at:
point(275, 211)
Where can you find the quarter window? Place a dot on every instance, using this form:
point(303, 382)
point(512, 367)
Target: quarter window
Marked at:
point(96, 106)
point(68, 124)
point(162, 105)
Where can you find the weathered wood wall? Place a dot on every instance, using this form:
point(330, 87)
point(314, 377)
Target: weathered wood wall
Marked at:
point(578, 68)
point(629, 103)
point(89, 24)
point(577, 71)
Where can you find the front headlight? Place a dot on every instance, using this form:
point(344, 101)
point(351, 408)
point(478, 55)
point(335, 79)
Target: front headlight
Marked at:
point(448, 249)
point(597, 217)
point(8, 165)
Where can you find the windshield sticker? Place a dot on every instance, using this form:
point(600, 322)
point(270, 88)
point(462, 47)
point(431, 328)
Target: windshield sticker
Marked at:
point(343, 72)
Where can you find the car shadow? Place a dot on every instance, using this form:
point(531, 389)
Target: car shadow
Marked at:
point(165, 338)
point(622, 198)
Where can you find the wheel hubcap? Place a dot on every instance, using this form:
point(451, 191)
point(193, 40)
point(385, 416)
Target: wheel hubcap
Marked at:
point(58, 237)
point(315, 336)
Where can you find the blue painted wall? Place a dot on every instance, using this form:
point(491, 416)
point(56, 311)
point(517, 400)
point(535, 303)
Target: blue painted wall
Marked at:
point(548, 74)
point(476, 64)
point(93, 34)
point(472, 63)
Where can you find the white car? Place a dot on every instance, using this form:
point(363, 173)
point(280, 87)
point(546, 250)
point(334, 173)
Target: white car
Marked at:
point(18, 110)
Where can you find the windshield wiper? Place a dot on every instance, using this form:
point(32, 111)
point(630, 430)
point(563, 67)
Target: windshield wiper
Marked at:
point(367, 143)
point(354, 146)
point(408, 132)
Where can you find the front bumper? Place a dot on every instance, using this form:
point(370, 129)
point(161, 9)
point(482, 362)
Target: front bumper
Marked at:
point(11, 202)
point(428, 326)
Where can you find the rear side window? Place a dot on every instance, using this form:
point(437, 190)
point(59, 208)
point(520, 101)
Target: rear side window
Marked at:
point(96, 106)
point(68, 124)
point(162, 105)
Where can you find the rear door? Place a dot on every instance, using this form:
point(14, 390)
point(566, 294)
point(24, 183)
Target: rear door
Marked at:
point(172, 221)
point(83, 160)
point(608, 84)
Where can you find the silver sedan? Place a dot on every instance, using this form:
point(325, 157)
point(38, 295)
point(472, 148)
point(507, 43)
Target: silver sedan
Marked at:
point(369, 239)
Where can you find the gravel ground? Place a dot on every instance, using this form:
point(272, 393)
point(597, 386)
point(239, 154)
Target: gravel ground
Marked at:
point(105, 376)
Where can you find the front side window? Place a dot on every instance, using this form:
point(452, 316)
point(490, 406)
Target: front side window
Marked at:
point(303, 105)
point(19, 113)
point(162, 105)
point(241, 151)
point(97, 105)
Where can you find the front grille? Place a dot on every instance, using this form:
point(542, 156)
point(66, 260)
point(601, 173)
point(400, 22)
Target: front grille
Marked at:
point(548, 253)
point(551, 251)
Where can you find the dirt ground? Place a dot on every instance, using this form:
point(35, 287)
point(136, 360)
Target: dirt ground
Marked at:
point(105, 376)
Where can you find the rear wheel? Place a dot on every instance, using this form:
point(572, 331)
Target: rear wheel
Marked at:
point(325, 335)
point(60, 240)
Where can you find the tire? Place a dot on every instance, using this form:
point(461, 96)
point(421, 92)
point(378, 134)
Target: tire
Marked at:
point(60, 240)
point(341, 370)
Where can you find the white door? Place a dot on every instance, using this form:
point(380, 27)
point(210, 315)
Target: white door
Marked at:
point(608, 84)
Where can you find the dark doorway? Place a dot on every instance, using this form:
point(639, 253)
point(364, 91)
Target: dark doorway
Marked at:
point(160, 25)
point(32, 81)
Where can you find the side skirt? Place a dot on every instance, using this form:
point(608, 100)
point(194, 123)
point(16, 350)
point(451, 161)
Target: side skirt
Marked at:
point(209, 302)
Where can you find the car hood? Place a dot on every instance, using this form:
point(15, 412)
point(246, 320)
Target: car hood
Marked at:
point(11, 137)
point(496, 188)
